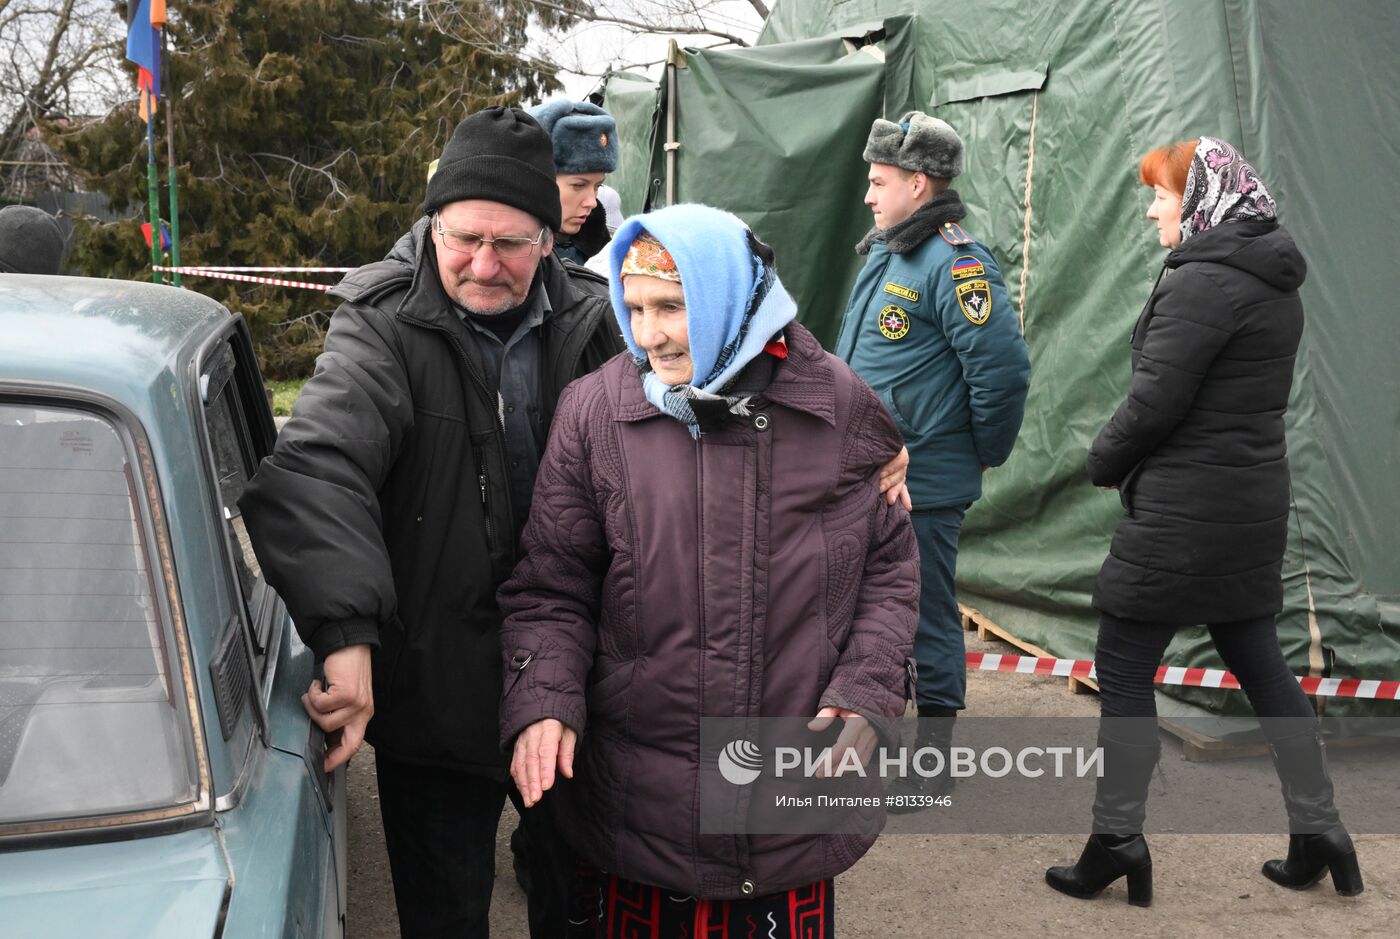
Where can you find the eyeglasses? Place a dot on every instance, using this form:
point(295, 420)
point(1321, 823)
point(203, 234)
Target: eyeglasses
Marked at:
point(469, 242)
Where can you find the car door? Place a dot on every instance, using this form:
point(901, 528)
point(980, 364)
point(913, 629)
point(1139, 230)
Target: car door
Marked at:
point(239, 432)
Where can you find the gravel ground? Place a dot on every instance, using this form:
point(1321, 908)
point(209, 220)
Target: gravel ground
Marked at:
point(956, 885)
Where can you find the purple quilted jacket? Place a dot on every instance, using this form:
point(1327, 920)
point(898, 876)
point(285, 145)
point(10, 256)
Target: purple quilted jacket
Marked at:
point(753, 572)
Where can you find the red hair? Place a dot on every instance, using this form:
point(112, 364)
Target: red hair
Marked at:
point(1167, 166)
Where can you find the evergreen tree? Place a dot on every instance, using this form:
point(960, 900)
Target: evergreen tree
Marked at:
point(303, 130)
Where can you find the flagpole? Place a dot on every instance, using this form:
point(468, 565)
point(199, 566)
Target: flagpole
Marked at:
point(141, 48)
point(152, 188)
point(170, 158)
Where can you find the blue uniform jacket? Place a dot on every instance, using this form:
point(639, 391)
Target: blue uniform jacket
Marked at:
point(934, 333)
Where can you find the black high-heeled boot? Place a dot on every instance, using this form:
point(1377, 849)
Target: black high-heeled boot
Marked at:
point(1317, 843)
point(1117, 847)
point(1104, 859)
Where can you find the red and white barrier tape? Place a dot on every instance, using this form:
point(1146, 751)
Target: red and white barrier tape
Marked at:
point(248, 278)
point(279, 270)
point(1176, 675)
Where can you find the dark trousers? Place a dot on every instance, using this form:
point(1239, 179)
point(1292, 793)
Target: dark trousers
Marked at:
point(939, 649)
point(1129, 652)
point(440, 832)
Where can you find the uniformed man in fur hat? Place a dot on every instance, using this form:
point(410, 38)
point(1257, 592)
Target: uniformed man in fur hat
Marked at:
point(930, 328)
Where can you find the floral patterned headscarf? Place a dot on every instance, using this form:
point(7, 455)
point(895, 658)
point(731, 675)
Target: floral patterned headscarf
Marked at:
point(1222, 187)
point(649, 257)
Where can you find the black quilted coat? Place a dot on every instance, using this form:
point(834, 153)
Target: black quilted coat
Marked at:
point(1197, 449)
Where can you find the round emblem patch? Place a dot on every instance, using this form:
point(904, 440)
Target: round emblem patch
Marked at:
point(603, 141)
point(894, 322)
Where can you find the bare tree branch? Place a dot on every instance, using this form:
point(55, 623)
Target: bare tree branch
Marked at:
point(65, 16)
point(338, 188)
point(55, 56)
point(643, 25)
point(591, 39)
point(317, 321)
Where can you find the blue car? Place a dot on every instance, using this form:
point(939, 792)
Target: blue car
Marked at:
point(158, 775)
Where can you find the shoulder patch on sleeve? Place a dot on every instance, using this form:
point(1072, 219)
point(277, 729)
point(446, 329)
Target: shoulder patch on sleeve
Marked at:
point(953, 233)
point(967, 266)
point(975, 299)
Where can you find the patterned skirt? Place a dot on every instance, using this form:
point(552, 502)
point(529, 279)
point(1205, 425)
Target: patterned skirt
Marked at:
point(608, 907)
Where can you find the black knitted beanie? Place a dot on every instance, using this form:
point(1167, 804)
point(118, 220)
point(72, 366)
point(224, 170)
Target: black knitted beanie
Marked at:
point(502, 155)
point(31, 241)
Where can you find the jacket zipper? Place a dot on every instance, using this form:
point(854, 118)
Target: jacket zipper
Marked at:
point(700, 553)
point(486, 511)
point(1132, 337)
point(480, 381)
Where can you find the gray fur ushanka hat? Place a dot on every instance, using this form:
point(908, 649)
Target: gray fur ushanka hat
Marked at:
point(584, 136)
point(918, 143)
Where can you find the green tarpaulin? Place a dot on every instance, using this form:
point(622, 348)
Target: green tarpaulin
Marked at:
point(1057, 100)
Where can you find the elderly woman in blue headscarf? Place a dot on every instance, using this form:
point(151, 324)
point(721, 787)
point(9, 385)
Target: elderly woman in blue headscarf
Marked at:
point(1197, 454)
point(708, 540)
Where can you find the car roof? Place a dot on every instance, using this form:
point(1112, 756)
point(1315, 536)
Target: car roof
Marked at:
point(115, 337)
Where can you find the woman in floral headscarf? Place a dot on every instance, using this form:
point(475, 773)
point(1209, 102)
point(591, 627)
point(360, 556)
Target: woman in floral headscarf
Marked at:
point(1196, 452)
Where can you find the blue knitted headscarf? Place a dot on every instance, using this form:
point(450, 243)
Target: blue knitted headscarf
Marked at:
point(734, 301)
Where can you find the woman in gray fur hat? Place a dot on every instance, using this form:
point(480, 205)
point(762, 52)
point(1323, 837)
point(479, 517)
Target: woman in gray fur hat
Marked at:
point(585, 151)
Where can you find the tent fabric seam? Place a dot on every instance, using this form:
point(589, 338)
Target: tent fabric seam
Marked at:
point(1026, 231)
point(1316, 665)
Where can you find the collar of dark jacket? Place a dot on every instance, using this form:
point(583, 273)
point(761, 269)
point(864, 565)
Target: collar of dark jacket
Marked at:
point(803, 381)
point(753, 379)
point(947, 206)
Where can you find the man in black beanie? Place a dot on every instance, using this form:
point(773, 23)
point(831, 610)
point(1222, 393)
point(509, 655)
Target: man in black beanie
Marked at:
point(391, 508)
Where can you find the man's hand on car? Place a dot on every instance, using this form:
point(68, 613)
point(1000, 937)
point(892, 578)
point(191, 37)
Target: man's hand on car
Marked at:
point(343, 704)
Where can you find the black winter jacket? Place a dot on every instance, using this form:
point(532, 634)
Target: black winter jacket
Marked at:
point(1197, 449)
point(383, 515)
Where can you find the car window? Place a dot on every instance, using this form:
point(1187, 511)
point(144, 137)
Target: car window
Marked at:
point(92, 708)
point(231, 443)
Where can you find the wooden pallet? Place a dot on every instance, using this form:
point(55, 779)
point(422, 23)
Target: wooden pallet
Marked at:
point(975, 619)
point(1197, 747)
point(1203, 748)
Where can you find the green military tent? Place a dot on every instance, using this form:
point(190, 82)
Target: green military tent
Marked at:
point(1057, 100)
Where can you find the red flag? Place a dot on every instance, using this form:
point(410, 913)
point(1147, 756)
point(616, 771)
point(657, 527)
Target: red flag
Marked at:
point(164, 235)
